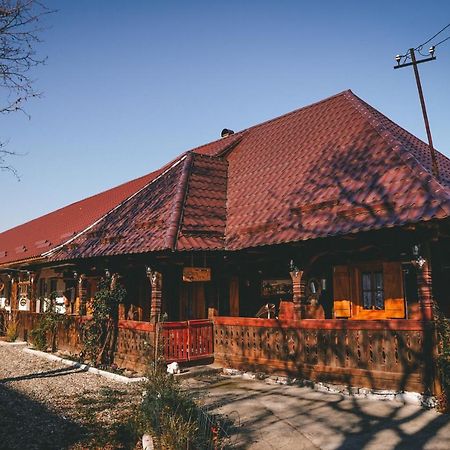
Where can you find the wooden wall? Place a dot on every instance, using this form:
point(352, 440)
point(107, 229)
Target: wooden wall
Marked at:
point(374, 354)
point(382, 354)
point(134, 347)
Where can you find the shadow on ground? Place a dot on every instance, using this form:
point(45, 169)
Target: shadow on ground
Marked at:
point(286, 417)
point(27, 424)
point(47, 374)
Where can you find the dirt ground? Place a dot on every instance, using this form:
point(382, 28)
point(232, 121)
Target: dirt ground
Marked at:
point(46, 405)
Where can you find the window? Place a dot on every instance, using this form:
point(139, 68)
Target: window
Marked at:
point(369, 290)
point(53, 285)
point(42, 291)
point(372, 290)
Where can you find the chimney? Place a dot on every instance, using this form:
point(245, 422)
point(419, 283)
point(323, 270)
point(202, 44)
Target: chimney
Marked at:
point(226, 132)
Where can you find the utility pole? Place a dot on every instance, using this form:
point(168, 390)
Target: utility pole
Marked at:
point(414, 63)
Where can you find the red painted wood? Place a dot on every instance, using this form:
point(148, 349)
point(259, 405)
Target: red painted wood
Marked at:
point(135, 325)
point(326, 324)
point(187, 341)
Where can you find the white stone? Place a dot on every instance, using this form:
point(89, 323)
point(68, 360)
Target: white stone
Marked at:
point(173, 368)
point(249, 376)
point(147, 442)
point(231, 372)
point(283, 380)
point(413, 398)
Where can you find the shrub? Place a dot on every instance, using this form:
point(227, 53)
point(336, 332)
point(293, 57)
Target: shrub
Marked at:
point(47, 327)
point(443, 357)
point(11, 328)
point(99, 334)
point(167, 412)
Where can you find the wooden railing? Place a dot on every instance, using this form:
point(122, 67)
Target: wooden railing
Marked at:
point(384, 354)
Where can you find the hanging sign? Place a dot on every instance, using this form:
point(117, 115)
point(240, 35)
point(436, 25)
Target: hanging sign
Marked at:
point(191, 274)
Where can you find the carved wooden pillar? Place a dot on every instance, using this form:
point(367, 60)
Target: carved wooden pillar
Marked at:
point(14, 293)
point(82, 295)
point(298, 289)
point(155, 279)
point(33, 285)
point(424, 286)
point(122, 315)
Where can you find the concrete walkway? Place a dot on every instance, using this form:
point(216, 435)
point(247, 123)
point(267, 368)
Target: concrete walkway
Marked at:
point(290, 417)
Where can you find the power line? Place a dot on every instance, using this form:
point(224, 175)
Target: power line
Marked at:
point(403, 58)
point(443, 40)
point(431, 38)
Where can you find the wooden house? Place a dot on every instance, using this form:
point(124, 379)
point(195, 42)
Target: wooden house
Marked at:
point(314, 244)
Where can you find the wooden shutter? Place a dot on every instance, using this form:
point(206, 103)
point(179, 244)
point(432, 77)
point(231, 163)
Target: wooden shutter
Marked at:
point(341, 291)
point(234, 296)
point(394, 300)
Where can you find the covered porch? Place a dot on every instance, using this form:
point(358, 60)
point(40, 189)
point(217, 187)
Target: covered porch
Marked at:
point(354, 310)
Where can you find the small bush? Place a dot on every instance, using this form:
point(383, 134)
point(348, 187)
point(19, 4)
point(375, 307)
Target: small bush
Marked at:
point(12, 328)
point(44, 335)
point(167, 412)
point(99, 334)
point(39, 337)
point(443, 358)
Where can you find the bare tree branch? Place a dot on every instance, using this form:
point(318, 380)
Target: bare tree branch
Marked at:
point(20, 30)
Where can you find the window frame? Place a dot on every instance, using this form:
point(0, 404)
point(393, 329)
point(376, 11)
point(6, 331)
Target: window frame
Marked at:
point(374, 290)
point(358, 311)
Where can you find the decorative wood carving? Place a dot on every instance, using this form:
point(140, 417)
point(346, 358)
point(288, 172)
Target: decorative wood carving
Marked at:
point(156, 280)
point(298, 291)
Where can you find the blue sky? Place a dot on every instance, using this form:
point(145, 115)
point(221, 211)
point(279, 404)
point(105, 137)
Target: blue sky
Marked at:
point(129, 85)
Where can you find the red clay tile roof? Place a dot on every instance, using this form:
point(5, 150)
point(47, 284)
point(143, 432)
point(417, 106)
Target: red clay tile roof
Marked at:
point(37, 237)
point(205, 207)
point(335, 167)
point(327, 169)
point(182, 209)
point(147, 221)
point(40, 235)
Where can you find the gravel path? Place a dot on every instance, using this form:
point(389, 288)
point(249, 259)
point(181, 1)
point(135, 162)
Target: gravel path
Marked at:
point(47, 405)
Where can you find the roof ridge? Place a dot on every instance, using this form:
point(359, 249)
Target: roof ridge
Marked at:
point(176, 216)
point(342, 93)
point(409, 160)
point(282, 116)
point(234, 135)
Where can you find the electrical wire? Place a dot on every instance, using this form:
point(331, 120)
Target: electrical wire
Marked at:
point(419, 47)
point(422, 54)
point(443, 40)
point(406, 56)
